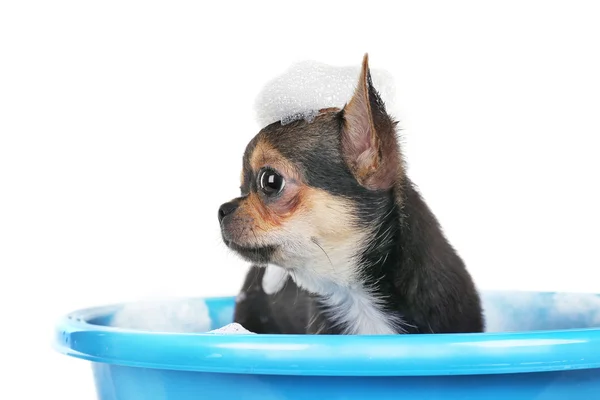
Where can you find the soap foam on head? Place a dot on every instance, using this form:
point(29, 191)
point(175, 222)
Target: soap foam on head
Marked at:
point(308, 86)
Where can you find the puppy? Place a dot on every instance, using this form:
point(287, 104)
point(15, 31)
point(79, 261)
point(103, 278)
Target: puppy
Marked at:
point(326, 206)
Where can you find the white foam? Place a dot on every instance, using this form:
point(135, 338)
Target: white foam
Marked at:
point(569, 304)
point(232, 329)
point(164, 315)
point(307, 86)
point(504, 312)
point(523, 311)
point(499, 311)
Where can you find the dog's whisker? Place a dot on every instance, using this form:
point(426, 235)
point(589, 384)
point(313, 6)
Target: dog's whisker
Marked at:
point(324, 252)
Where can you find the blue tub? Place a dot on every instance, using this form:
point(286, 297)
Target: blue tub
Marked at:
point(549, 349)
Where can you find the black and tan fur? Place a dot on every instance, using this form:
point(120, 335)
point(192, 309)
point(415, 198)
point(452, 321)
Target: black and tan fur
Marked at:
point(362, 252)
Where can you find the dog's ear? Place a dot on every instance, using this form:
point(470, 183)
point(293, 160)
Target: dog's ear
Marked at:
point(369, 143)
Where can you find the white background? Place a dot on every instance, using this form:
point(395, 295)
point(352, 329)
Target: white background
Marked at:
point(122, 127)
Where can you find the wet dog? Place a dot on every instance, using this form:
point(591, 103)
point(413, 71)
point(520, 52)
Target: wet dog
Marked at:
point(340, 240)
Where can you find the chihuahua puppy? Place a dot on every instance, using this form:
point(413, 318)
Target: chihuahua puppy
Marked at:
point(326, 206)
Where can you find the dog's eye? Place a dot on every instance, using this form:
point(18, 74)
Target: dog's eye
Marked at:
point(271, 183)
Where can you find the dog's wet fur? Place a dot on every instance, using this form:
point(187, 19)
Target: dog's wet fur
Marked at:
point(328, 200)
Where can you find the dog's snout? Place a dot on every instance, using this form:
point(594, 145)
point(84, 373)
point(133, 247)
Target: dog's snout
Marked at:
point(227, 208)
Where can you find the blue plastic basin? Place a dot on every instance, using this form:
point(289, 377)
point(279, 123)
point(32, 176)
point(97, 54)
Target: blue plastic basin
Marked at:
point(550, 351)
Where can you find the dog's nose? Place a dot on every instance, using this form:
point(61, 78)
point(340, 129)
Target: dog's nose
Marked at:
point(226, 209)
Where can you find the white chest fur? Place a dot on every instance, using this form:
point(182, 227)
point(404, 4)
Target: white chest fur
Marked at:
point(351, 307)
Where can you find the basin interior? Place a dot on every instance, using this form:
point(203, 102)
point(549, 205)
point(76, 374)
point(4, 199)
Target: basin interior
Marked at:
point(505, 311)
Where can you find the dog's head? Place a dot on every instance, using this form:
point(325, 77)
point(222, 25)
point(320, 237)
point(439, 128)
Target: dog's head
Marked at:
point(314, 194)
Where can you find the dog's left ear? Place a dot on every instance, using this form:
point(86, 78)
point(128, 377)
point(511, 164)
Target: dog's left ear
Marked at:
point(369, 143)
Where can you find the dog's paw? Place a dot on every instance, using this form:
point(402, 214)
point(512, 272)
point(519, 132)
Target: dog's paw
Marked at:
point(274, 279)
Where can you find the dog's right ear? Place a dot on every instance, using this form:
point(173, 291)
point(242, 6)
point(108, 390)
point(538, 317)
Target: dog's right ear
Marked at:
point(369, 143)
